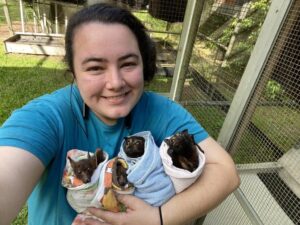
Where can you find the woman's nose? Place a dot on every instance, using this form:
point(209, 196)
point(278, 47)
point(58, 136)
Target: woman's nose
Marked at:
point(115, 79)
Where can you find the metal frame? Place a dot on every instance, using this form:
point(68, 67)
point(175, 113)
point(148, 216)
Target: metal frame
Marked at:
point(256, 64)
point(189, 32)
point(7, 17)
point(268, 35)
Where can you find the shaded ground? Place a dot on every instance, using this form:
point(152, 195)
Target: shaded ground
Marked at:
point(4, 32)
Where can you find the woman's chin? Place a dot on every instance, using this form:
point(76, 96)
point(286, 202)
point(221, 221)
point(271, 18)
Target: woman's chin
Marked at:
point(112, 117)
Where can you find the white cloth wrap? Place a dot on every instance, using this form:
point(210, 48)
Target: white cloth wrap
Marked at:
point(181, 178)
point(84, 196)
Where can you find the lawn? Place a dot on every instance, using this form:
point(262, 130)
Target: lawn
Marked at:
point(23, 78)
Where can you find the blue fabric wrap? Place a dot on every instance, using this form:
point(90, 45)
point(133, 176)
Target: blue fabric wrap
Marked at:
point(147, 174)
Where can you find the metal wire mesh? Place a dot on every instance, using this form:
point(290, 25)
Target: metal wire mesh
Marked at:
point(168, 10)
point(229, 7)
point(270, 131)
point(215, 70)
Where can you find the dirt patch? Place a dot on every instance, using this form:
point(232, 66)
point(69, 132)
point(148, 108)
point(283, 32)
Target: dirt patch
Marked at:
point(4, 32)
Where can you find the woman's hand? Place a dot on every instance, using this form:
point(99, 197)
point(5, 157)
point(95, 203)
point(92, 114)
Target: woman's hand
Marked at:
point(138, 212)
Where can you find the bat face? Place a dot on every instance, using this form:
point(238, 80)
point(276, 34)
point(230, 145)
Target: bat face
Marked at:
point(134, 146)
point(84, 168)
point(183, 151)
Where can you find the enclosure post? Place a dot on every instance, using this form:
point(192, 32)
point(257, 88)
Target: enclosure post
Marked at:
point(56, 18)
point(7, 17)
point(189, 32)
point(66, 22)
point(252, 74)
point(22, 16)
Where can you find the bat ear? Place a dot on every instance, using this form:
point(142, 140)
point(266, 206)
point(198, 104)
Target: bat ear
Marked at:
point(185, 131)
point(168, 142)
point(191, 138)
point(141, 138)
point(99, 156)
point(88, 154)
point(71, 160)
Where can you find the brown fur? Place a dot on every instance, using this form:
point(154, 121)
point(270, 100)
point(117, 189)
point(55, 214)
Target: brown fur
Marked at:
point(84, 168)
point(183, 150)
point(134, 146)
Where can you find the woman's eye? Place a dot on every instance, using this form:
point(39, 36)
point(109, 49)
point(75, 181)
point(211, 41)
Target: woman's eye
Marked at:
point(94, 68)
point(129, 64)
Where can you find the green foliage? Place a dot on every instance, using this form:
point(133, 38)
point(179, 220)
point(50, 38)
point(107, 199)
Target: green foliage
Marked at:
point(213, 23)
point(273, 90)
point(149, 21)
point(246, 37)
point(262, 5)
point(228, 32)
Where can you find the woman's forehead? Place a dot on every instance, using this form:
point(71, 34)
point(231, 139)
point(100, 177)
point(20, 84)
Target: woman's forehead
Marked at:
point(105, 40)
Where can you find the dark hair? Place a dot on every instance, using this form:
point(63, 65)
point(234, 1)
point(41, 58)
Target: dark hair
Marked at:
point(106, 13)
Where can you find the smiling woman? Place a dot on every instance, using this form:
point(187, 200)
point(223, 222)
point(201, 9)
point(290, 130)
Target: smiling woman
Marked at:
point(110, 56)
point(109, 77)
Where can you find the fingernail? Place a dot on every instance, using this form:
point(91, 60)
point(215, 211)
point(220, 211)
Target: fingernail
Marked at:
point(79, 218)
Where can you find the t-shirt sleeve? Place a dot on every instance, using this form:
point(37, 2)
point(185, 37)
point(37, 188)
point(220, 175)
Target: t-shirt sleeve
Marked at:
point(36, 128)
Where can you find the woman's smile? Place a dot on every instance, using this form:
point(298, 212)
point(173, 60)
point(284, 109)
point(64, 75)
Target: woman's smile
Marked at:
point(116, 99)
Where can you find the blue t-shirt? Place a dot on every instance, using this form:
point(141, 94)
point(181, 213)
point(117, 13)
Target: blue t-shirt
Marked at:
point(51, 125)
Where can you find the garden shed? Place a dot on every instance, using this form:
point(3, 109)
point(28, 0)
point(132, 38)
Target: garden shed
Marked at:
point(234, 64)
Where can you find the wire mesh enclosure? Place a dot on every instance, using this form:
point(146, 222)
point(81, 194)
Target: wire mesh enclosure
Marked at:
point(265, 141)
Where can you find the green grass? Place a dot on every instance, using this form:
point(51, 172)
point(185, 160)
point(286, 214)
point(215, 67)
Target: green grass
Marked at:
point(22, 217)
point(280, 124)
point(24, 77)
point(211, 118)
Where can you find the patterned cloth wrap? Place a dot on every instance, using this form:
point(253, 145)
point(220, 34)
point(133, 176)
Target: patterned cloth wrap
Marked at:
point(100, 192)
point(181, 178)
point(147, 174)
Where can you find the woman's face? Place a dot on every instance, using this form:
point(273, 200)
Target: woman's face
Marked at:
point(108, 68)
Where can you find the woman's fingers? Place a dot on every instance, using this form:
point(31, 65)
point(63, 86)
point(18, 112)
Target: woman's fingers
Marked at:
point(131, 202)
point(107, 216)
point(83, 219)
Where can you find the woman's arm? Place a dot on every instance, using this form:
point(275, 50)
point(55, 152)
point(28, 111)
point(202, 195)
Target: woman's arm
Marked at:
point(19, 173)
point(218, 179)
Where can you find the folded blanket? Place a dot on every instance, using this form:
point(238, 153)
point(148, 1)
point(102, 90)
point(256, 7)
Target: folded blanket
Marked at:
point(181, 178)
point(147, 174)
point(99, 192)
